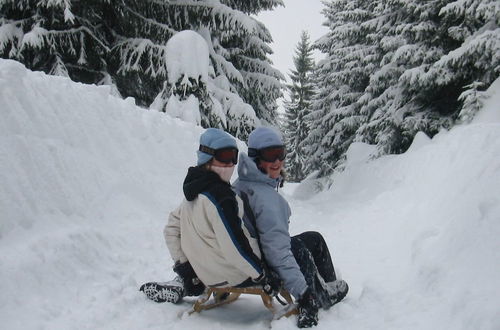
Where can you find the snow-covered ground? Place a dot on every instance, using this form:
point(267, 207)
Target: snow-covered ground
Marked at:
point(87, 181)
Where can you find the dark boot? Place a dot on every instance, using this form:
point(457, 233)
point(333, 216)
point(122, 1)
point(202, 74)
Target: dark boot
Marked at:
point(308, 310)
point(337, 290)
point(192, 284)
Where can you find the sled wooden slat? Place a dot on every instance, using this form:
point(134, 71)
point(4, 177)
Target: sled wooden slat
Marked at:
point(204, 302)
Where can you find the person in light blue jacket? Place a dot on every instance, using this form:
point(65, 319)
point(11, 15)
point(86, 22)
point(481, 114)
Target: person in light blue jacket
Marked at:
point(302, 262)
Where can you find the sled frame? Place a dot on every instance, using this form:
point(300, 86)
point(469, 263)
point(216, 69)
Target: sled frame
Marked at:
point(230, 294)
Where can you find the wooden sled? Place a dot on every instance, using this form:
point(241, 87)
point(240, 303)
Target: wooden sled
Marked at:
point(224, 296)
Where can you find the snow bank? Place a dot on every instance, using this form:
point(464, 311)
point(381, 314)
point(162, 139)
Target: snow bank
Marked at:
point(68, 149)
point(86, 183)
point(417, 234)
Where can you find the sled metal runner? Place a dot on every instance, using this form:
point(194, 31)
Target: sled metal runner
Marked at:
point(224, 296)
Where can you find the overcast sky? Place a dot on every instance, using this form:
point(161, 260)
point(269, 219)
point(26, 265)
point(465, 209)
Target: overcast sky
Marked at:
point(287, 23)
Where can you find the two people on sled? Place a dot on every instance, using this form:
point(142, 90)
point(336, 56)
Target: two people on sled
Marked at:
point(238, 236)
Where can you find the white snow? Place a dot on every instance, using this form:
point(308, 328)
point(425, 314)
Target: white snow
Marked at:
point(35, 38)
point(87, 181)
point(491, 109)
point(187, 57)
point(187, 110)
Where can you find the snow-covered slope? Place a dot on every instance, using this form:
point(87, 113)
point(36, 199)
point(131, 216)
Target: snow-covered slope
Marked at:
point(418, 234)
point(87, 180)
point(86, 183)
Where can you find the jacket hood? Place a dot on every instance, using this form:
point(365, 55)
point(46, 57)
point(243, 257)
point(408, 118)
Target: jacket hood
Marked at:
point(248, 171)
point(198, 180)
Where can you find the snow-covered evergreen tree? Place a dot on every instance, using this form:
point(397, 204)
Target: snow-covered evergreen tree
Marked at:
point(433, 63)
point(341, 78)
point(472, 100)
point(425, 65)
point(397, 111)
point(262, 84)
point(123, 42)
point(297, 108)
point(240, 116)
point(61, 37)
point(471, 62)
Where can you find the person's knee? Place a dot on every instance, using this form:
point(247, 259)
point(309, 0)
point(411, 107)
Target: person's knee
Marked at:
point(297, 244)
point(312, 236)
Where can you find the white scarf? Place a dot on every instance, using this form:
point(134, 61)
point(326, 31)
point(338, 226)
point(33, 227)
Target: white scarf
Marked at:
point(225, 173)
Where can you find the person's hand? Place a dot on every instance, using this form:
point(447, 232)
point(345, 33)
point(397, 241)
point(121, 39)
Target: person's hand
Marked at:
point(272, 285)
point(270, 281)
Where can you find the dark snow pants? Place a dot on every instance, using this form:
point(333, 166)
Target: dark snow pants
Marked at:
point(312, 256)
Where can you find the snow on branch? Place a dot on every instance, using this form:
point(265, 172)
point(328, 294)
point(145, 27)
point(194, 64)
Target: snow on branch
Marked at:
point(132, 51)
point(59, 69)
point(256, 43)
point(38, 36)
point(229, 19)
point(261, 67)
point(482, 51)
point(472, 100)
point(10, 34)
point(218, 60)
point(63, 4)
point(150, 21)
point(238, 113)
point(187, 57)
point(35, 38)
point(260, 80)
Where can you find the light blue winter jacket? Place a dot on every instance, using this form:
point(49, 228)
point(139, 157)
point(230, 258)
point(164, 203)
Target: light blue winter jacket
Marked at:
point(272, 214)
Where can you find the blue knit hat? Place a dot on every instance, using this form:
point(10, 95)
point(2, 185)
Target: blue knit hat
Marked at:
point(263, 137)
point(216, 139)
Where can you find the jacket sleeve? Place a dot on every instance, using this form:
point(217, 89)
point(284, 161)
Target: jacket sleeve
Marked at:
point(232, 236)
point(172, 234)
point(271, 215)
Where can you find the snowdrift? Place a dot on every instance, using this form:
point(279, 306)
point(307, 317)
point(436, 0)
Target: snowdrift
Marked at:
point(87, 181)
point(81, 172)
point(418, 233)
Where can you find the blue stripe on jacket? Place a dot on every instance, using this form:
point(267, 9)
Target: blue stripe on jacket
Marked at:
point(231, 233)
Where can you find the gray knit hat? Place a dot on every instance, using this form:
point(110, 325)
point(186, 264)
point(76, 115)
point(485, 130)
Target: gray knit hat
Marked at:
point(214, 138)
point(263, 137)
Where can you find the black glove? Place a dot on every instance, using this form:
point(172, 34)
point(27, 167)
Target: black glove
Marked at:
point(270, 281)
point(272, 285)
point(192, 284)
point(308, 310)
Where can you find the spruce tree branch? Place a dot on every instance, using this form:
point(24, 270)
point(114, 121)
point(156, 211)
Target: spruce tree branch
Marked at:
point(247, 23)
point(152, 21)
point(75, 31)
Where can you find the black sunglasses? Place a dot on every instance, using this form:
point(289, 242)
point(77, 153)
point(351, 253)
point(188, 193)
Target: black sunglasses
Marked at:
point(223, 155)
point(269, 154)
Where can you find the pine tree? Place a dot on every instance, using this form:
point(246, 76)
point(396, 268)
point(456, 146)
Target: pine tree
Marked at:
point(471, 62)
point(59, 37)
point(424, 65)
point(122, 42)
point(341, 78)
point(301, 91)
point(431, 65)
point(262, 84)
point(472, 100)
point(395, 109)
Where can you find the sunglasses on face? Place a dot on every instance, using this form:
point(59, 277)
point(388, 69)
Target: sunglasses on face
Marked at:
point(223, 155)
point(269, 154)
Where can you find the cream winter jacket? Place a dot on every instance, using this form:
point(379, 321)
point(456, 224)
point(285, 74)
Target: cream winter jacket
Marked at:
point(207, 230)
